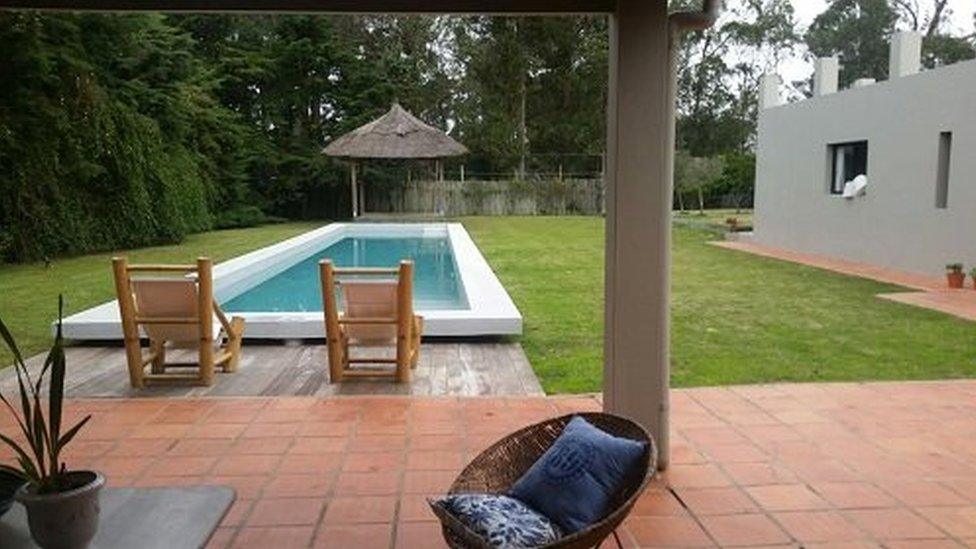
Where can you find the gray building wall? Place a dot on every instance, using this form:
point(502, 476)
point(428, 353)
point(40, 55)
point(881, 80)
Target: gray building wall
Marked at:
point(896, 224)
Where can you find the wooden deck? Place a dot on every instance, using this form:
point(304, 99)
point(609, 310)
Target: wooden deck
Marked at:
point(445, 369)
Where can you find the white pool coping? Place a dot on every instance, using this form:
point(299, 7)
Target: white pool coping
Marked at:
point(490, 312)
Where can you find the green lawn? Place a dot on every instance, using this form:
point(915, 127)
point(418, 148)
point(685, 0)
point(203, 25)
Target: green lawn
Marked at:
point(29, 296)
point(737, 318)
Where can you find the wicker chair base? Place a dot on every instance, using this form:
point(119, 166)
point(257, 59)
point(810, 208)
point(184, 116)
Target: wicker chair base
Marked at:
point(497, 469)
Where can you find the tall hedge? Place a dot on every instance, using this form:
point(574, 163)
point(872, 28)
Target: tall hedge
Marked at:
point(82, 166)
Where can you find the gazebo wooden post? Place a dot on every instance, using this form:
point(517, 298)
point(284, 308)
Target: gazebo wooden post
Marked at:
point(353, 184)
point(441, 205)
point(362, 200)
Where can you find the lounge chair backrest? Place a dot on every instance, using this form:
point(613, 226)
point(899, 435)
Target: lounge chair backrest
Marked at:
point(370, 299)
point(172, 297)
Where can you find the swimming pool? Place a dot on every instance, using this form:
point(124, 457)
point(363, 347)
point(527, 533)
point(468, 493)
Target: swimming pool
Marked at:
point(436, 281)
point(278, 292)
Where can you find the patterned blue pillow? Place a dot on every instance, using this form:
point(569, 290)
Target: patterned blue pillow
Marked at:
point(573, 481)
point(502, 521)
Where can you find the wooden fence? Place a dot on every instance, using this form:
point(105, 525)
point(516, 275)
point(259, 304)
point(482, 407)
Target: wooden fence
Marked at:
point(456, 198)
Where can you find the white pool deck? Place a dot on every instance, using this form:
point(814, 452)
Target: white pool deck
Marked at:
point(490, 312)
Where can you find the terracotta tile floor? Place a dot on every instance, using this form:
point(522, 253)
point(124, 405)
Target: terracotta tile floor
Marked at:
point(826, 465)
point(932, 292)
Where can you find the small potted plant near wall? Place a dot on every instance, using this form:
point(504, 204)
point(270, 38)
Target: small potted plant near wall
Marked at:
point(955, 275)
point(62, 504)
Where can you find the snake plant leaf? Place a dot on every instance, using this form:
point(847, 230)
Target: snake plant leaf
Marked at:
point(56, 388)
point(11, 344)
point(21, 453)
point(19, 367)
point(13, 471)
point(30, 469)
point(40, 439)
point(70, 433)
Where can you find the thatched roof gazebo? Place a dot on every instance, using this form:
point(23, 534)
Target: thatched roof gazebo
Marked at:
point(395, 135)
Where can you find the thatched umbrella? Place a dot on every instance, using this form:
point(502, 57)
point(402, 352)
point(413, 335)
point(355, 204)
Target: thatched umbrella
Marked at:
point(395, 135)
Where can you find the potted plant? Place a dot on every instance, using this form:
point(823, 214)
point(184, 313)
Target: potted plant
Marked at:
point(62, 505)
point(955, 275)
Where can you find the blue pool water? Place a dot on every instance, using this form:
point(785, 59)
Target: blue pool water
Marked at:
point(436, 284)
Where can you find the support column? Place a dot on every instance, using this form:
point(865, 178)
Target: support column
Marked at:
point(640, 144)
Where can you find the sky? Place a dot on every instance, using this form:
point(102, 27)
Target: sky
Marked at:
point(796, 68)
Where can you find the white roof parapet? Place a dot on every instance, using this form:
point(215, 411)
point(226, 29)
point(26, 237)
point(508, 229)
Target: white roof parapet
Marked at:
point(769, 91)
point(906, 54)
point(826, 74)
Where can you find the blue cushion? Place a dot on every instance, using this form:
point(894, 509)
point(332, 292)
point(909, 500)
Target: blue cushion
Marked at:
point(574, 480)
point(502, 521)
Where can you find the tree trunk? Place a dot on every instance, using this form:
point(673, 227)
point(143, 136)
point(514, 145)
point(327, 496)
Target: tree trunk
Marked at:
point(523, 137)
point(701, 201)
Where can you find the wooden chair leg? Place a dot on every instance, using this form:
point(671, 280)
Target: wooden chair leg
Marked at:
point(403, 369)
point(338, 350)
point(234, 341)
point(404, 356)
point(158, 348)
point(133, 358)
point(418, 329)
point(206, 351)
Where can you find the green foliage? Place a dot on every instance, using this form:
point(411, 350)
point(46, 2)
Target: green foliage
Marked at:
point(244, 216)
point(719, 70)
point(859, 32)
point(99, 150)
point(534, 84)
point(120, 131)
point(39, 458)
point(942, 49)
point(736, 184)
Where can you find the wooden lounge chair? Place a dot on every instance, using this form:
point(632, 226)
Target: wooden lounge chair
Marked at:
point(378, 311)
point(177, 310)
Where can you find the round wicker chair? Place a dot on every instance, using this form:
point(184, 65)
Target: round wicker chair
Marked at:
point(498, 468)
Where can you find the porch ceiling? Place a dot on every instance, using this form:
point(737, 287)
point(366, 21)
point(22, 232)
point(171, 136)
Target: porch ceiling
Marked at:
point(522, 7)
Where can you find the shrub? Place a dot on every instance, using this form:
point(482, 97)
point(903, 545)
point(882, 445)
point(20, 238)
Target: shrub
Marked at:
point(244, 216)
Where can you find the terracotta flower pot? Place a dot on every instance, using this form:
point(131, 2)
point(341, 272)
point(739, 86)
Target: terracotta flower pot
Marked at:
point(64, 520)
point(956, 279)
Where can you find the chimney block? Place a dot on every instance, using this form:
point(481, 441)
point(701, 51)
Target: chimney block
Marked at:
point(825, 76)
point(906, 54)
point(769, 91)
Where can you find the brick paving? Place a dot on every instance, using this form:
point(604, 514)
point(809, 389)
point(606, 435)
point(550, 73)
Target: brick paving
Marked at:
point(818, 465)
point(931, 293)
